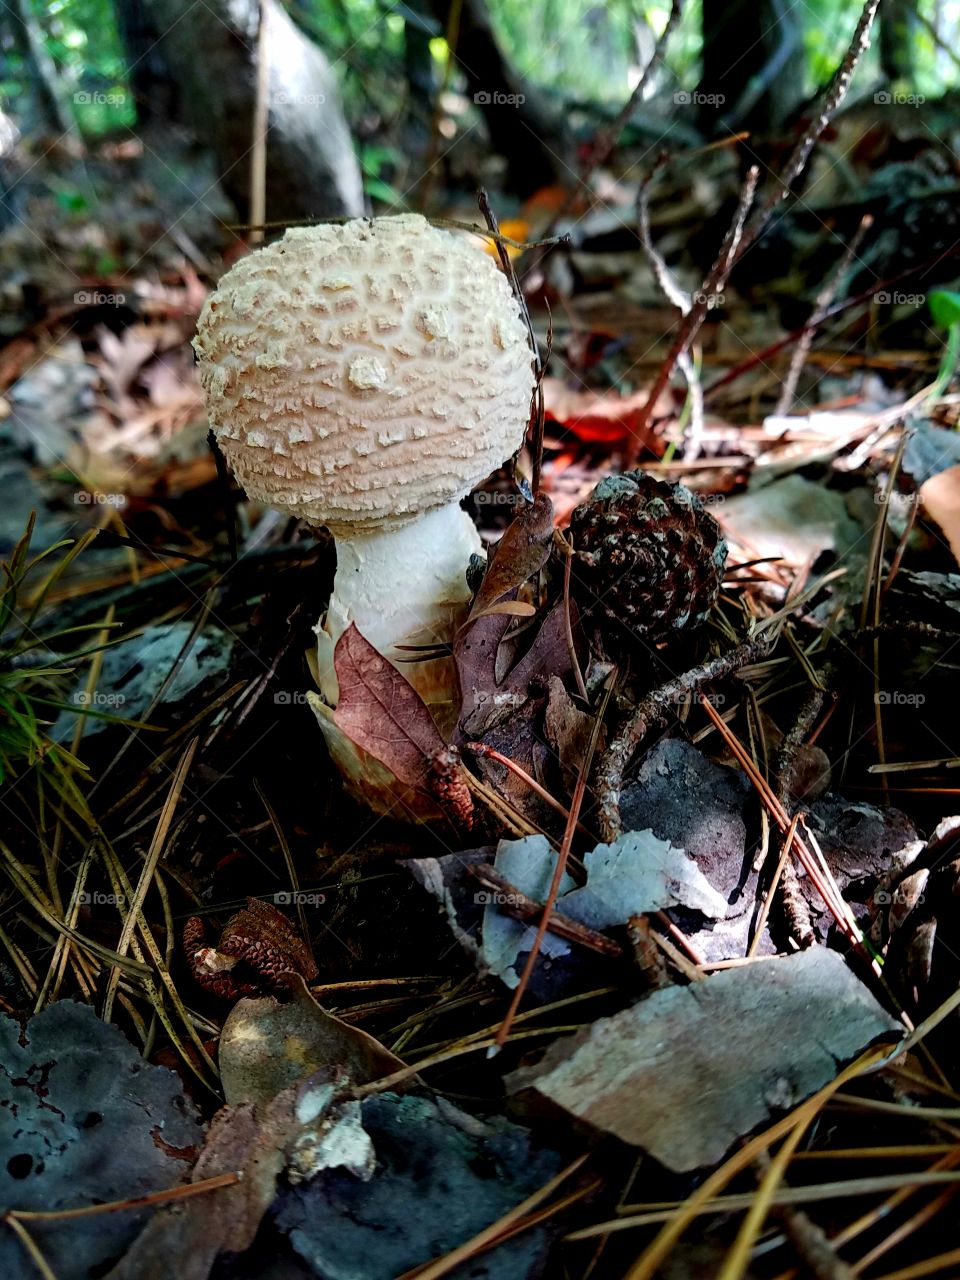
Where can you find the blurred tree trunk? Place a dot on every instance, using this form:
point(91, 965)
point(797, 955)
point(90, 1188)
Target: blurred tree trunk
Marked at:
point(898, 31)
point(752, 65)
point(148, 75)
point(419, 28)
point(52, 95)
point(521, 128)
point(312, 171)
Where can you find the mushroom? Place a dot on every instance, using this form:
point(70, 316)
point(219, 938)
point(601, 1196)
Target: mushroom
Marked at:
point(366, 376)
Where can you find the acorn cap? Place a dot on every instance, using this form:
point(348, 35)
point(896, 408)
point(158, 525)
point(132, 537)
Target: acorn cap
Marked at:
point(648, 555)
point(363, 373)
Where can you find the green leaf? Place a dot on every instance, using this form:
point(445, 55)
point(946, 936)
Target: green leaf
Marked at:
point(945, 308)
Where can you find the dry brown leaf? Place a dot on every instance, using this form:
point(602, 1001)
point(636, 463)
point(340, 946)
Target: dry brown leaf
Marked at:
point(507, 608)
point(522, 551)
point(185, 1238)
point(568, 730)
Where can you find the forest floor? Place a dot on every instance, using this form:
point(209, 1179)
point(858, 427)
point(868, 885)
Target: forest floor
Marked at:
point(759, 811)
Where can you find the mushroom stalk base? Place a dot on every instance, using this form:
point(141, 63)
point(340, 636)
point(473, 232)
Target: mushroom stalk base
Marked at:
point(406, 585)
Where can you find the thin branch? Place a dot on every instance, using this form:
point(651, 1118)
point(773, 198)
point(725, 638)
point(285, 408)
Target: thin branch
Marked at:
point(536, 424)
point(701, 303)
point(832, 101)
point(679, 297)
point(821, 306)
point(559, 868)
point(258, 154)
point(606, 140)
point(740, 238)
point(654, 710)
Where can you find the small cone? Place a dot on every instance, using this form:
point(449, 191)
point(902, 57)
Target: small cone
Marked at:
point(648, 556)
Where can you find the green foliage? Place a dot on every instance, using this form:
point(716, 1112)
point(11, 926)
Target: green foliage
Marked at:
point(83, 40)
point(587, 51)
point(944, 308)
point(581, 50)
point(31, 692)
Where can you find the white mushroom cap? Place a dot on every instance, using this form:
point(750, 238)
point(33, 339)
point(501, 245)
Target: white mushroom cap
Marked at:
point(361, 374)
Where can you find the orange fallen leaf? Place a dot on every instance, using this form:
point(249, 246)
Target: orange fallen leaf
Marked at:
point(941, 497)
point(599, 417)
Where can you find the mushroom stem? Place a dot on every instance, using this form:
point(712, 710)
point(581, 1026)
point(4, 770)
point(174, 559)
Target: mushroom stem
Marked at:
point(404, 585)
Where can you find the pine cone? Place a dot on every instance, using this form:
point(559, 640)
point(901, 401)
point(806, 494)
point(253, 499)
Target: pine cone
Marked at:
point(648, 555)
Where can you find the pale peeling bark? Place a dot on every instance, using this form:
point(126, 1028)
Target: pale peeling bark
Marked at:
point(312, 171)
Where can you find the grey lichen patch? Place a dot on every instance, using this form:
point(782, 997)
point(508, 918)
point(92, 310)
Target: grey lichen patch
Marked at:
point(689, 1070)
point(84, 1120)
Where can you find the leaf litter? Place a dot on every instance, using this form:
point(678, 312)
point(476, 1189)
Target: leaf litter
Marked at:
point(779, 894)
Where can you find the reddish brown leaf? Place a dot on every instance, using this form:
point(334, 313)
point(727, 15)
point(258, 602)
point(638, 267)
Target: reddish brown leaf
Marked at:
point(381, 712)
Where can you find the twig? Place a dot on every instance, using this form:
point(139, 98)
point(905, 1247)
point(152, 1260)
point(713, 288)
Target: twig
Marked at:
point(517, 904)
point(537, 413)
point(795, 907)
point(832, 100)
point(683, 302)
point(558, 870)
point(812, 860)
point(810, 1240)
point(606, 140)
point(774, 883)
point(692, 322)
point(654, 710)
point(821, 306)
point(741, 237)
point(258, 155)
